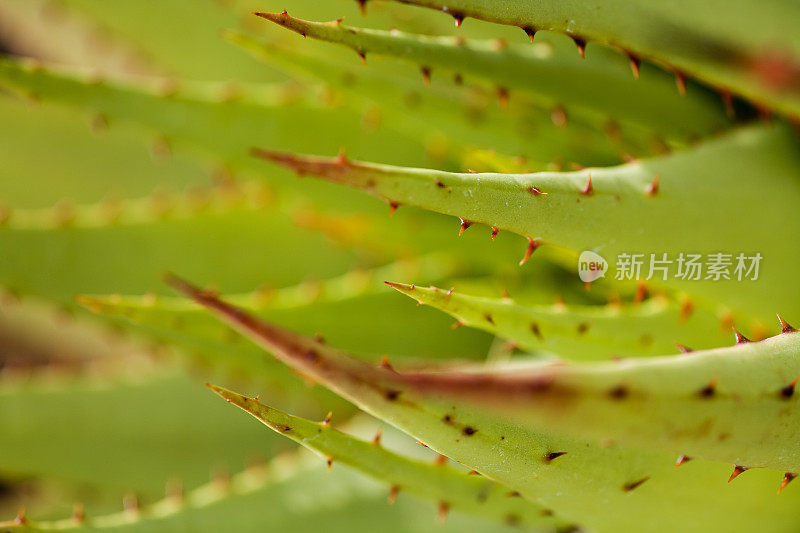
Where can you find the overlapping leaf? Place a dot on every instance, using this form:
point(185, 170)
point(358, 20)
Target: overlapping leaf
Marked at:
point(450, 488)
point(645, 208)
point(703, 40)
point(668, 398)
point(652, 102)
point(582, 332)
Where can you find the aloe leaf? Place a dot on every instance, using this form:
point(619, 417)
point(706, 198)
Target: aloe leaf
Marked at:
point(215, 122)
point(532, 461)
point(466, 116)
point(593, 209)
point(582, 332)
point(269, 496)
point(350, 285)
point(681, 393)
point(378, 321)
point(682, 36)
point(170, 230)
point(559, 80)
point(201, 55)
point(55, 415)
point(448, 487)
point(84, 164)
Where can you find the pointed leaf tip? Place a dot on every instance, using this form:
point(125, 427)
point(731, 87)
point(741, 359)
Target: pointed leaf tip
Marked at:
point(273, 17)
point(229, 396)
point(402, 287)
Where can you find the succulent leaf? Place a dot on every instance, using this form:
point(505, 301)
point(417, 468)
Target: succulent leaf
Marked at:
point(594, 209)
point(427, 406)
point(99, 415)
point(266, 496)
point(558, 79)
point(378, 319)
point(682, 36)
point(581, 332)
point(466, 116)
point(216, 122)
point(444, 485)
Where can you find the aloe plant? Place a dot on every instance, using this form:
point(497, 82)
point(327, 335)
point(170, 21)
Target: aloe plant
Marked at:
point(598, 242)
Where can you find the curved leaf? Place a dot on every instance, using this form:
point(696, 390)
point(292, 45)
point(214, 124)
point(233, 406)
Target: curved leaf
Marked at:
point(591, 481)
point(557, 79)
point(703, 40)
point(646, 207)
point(582, 332)
point(448, 487)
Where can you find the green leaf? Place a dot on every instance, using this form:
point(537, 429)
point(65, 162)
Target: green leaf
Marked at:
point(702, 40)
point(558, 79)
point(289, 493)
point(83, 163)
point(127, 428)
point(581, 332)
point(647, 207)
point(465, 116)
point(216, 122)
point(450, 488)
point(377, 321)
point(166, 230)
point(591, 482)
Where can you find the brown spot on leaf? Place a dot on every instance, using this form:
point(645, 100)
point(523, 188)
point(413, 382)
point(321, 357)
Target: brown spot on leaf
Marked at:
point(788, 391)
point(709, 390)
point(620, 392)
point(553, 455)
point(635, 484)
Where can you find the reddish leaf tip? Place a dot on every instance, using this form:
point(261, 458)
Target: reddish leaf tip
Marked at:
point(402, 287)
